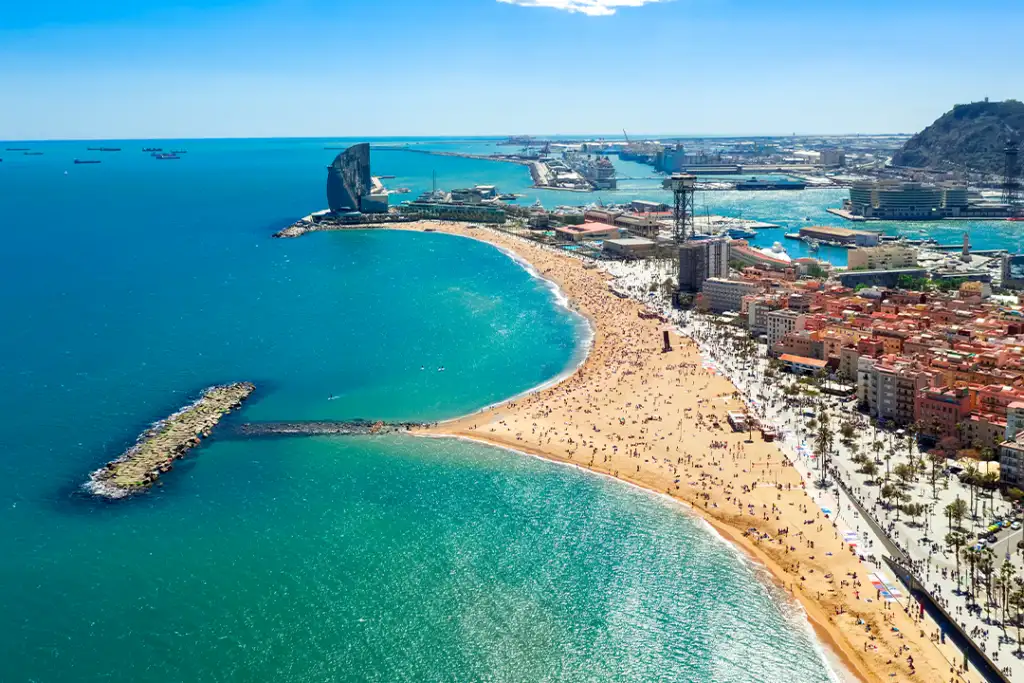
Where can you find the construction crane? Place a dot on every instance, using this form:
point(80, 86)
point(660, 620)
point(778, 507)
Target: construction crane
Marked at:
point(626, 136)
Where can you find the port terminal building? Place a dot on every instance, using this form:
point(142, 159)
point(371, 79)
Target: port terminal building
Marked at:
point(899, 200)
point(841, 236)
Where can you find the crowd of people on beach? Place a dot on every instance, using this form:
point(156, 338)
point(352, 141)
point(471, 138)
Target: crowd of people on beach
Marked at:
point(659, 419)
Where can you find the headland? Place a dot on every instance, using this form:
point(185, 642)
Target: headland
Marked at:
point(167, 440)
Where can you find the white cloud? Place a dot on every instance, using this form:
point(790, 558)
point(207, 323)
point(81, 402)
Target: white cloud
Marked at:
point(592, 8)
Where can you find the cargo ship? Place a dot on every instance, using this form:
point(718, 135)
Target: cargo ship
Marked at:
point(87, 161)
point(166, 156)
point(103, 149)
point(33, 154)
point(755, 184)
point(152, 149)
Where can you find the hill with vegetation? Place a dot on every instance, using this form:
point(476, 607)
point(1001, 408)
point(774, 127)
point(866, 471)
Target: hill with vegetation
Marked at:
point(971, 136)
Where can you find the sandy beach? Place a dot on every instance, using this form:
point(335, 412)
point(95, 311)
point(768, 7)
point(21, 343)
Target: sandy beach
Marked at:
point(658, 420)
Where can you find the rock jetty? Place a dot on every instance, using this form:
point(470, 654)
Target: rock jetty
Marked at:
point(166, 441)
point(315, 427)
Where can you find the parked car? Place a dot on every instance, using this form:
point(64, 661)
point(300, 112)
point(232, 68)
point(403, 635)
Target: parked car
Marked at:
point(1015, 525)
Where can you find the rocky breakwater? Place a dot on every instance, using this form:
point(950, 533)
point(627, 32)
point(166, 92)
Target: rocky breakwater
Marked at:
point(167, 440)
point(325, 427)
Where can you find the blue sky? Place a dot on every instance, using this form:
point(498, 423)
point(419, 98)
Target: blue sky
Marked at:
point(243, 68)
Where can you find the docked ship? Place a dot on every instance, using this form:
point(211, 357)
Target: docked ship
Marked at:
point(784, 184)
point(597, 170)
point(740, 233)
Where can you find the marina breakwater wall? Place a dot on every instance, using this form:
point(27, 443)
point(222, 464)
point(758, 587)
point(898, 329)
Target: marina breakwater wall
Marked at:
point(167, 440)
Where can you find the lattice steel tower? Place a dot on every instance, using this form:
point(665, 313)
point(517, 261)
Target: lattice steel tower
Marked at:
point(683, 190)
point(1011, 176)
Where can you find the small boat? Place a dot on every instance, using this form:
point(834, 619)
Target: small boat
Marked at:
point(1015, 218)
point(813, 244)
point(507, 197)
point(87, 161)
point(179, 151)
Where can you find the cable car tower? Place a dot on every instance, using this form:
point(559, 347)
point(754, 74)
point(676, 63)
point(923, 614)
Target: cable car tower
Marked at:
point(683, 190)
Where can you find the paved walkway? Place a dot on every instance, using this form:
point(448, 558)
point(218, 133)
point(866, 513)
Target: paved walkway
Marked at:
point(923, 543)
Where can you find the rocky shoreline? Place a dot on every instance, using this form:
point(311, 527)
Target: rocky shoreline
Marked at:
point(167, 440)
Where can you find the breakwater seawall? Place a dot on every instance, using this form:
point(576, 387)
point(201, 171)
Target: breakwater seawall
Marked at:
point(322, 427)
point(171, 438)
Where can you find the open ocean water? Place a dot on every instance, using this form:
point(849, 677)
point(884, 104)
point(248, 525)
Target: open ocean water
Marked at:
point(127, 286)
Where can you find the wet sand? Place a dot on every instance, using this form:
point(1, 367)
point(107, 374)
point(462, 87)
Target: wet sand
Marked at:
point(658, 420)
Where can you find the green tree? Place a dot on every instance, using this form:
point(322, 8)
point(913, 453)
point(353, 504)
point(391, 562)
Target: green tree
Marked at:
point(876, 448)
point(1007, 574)
point(956, 540)
point(823, 443)
point(955, 512)
point(986, 566)
point(915, 510)
point(848, 431)
point(1017, 602)
point(869, 468)
point(936, 460)
point(905, 474)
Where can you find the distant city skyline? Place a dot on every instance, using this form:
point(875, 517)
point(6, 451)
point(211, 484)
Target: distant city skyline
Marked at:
point(113, 69)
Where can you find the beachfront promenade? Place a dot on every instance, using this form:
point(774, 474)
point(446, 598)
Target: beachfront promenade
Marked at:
point(919, 542)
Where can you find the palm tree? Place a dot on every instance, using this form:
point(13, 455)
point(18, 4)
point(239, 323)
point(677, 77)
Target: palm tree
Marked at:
point(823, 443)
point(956, 540)
point(1007, 573)
point(876, 447)
point(936, 459)
point(1017, 602)
point(970, 477)
point(986, 567)
point(911, 439)
point(971, 558)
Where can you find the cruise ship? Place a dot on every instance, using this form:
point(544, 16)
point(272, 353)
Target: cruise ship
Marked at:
point(784, 184)
point(598, 170)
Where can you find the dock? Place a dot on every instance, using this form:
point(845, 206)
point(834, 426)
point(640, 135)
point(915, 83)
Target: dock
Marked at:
point(167, 440)
point(843, 213)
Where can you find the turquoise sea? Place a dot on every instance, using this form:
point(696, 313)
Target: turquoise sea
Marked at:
point(127, 286)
